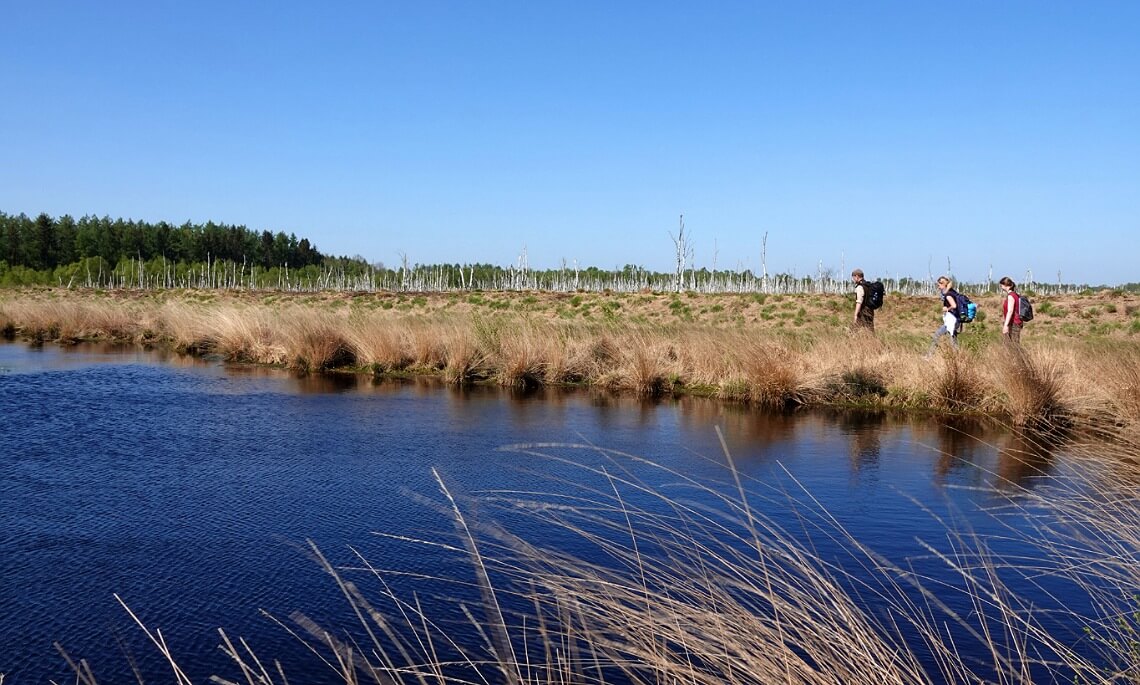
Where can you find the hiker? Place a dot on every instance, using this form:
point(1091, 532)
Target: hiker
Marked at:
point(950, 322)
point(1011, 322)
point(864, 318)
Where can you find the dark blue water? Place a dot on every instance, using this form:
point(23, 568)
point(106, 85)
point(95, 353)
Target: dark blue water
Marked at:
point(190, 488)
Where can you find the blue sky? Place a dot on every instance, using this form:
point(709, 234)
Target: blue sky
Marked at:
point(885, 135)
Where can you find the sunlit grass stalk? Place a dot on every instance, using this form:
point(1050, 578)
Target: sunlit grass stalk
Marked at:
point(729, 597)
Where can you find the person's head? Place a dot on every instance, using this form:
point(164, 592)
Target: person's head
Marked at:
point(1007, 283)
point(857, 275)
point(944, 283)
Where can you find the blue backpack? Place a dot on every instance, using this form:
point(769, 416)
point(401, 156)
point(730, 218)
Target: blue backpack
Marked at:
point(967, 310)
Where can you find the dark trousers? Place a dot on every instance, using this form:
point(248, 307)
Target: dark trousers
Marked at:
point(865, 320)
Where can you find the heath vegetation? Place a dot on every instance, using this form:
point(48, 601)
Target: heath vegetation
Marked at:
point(772, 350)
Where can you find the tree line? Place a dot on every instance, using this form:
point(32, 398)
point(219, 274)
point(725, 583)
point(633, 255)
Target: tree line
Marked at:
point(45, 243)
point(116, 253)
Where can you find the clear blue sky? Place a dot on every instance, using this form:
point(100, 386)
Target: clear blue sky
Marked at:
point(883, 135)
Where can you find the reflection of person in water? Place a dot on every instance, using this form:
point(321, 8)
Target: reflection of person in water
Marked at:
point(956, 445)
point(865, 431)
point(1022, 458)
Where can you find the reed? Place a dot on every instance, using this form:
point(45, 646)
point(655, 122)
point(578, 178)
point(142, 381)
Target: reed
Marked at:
point(772, 374)
point(1117, 374)
point(185, 327)
point(377, 344)
point(958, 385)
point(314, 340)
point(519, 359)
point(729, 597)
point(466, 362)
point(1033, 385)
point(246, 336)
point(769, 362)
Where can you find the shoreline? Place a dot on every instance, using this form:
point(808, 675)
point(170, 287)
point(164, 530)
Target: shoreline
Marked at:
point(777, 352)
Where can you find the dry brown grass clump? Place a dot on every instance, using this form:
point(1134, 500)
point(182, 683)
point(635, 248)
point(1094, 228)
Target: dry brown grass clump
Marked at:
point(1033, 386)
point(313, 340)
point(245, 334)
point(642, 363)
point(69, 322)
point(519, 359)
point(466, 362)
point(1117, 381)
point(378, 343)
point(186, 327)
point(772, 374)
point(958, 385)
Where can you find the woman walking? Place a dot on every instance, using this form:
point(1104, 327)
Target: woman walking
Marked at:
point(950, 322)
point(1011, 322)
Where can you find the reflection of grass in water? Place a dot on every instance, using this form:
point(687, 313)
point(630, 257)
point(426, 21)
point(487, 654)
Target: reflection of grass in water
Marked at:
point(664, 344)
point(701, 588)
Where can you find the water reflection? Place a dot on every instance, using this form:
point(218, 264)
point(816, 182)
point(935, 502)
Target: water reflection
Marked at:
point(238, 458)
point(957, 443)
point(1022, 458)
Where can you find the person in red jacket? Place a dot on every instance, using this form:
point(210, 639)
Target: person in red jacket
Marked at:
point(1010, 312)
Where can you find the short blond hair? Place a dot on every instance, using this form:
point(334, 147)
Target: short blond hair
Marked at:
point(946, 280)
point(857, 273)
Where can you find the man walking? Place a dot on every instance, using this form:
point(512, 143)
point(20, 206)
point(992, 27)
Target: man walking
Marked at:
point(864, 318)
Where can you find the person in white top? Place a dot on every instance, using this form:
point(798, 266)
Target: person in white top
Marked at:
point(950, 322)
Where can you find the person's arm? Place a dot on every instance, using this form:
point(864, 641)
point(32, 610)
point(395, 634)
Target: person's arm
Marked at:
point(1010, 306)
point(949, 303)
point(859, 290)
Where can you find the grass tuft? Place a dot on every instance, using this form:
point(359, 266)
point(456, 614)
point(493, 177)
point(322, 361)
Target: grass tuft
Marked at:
point(1033, 385)
point(958, 386)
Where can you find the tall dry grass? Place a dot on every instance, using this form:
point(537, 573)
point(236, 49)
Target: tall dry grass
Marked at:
point(377, 344)
point(1116, 382)
point(465, 361)
point(246, 336)
point(1045, 385)
point(772, 373)
point(187, 328)
point(68, 322)
point(314, 340)
point(1033, 383)
point(717, 594)
point(958, 384)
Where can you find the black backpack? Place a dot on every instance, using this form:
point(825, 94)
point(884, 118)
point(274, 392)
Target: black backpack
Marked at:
point(875, 292)
point(1024, 308)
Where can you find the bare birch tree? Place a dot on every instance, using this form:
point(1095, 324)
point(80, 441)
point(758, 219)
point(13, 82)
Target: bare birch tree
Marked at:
point(681, 243)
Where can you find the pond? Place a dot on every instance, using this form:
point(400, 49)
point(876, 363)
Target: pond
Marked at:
point(189, 488)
